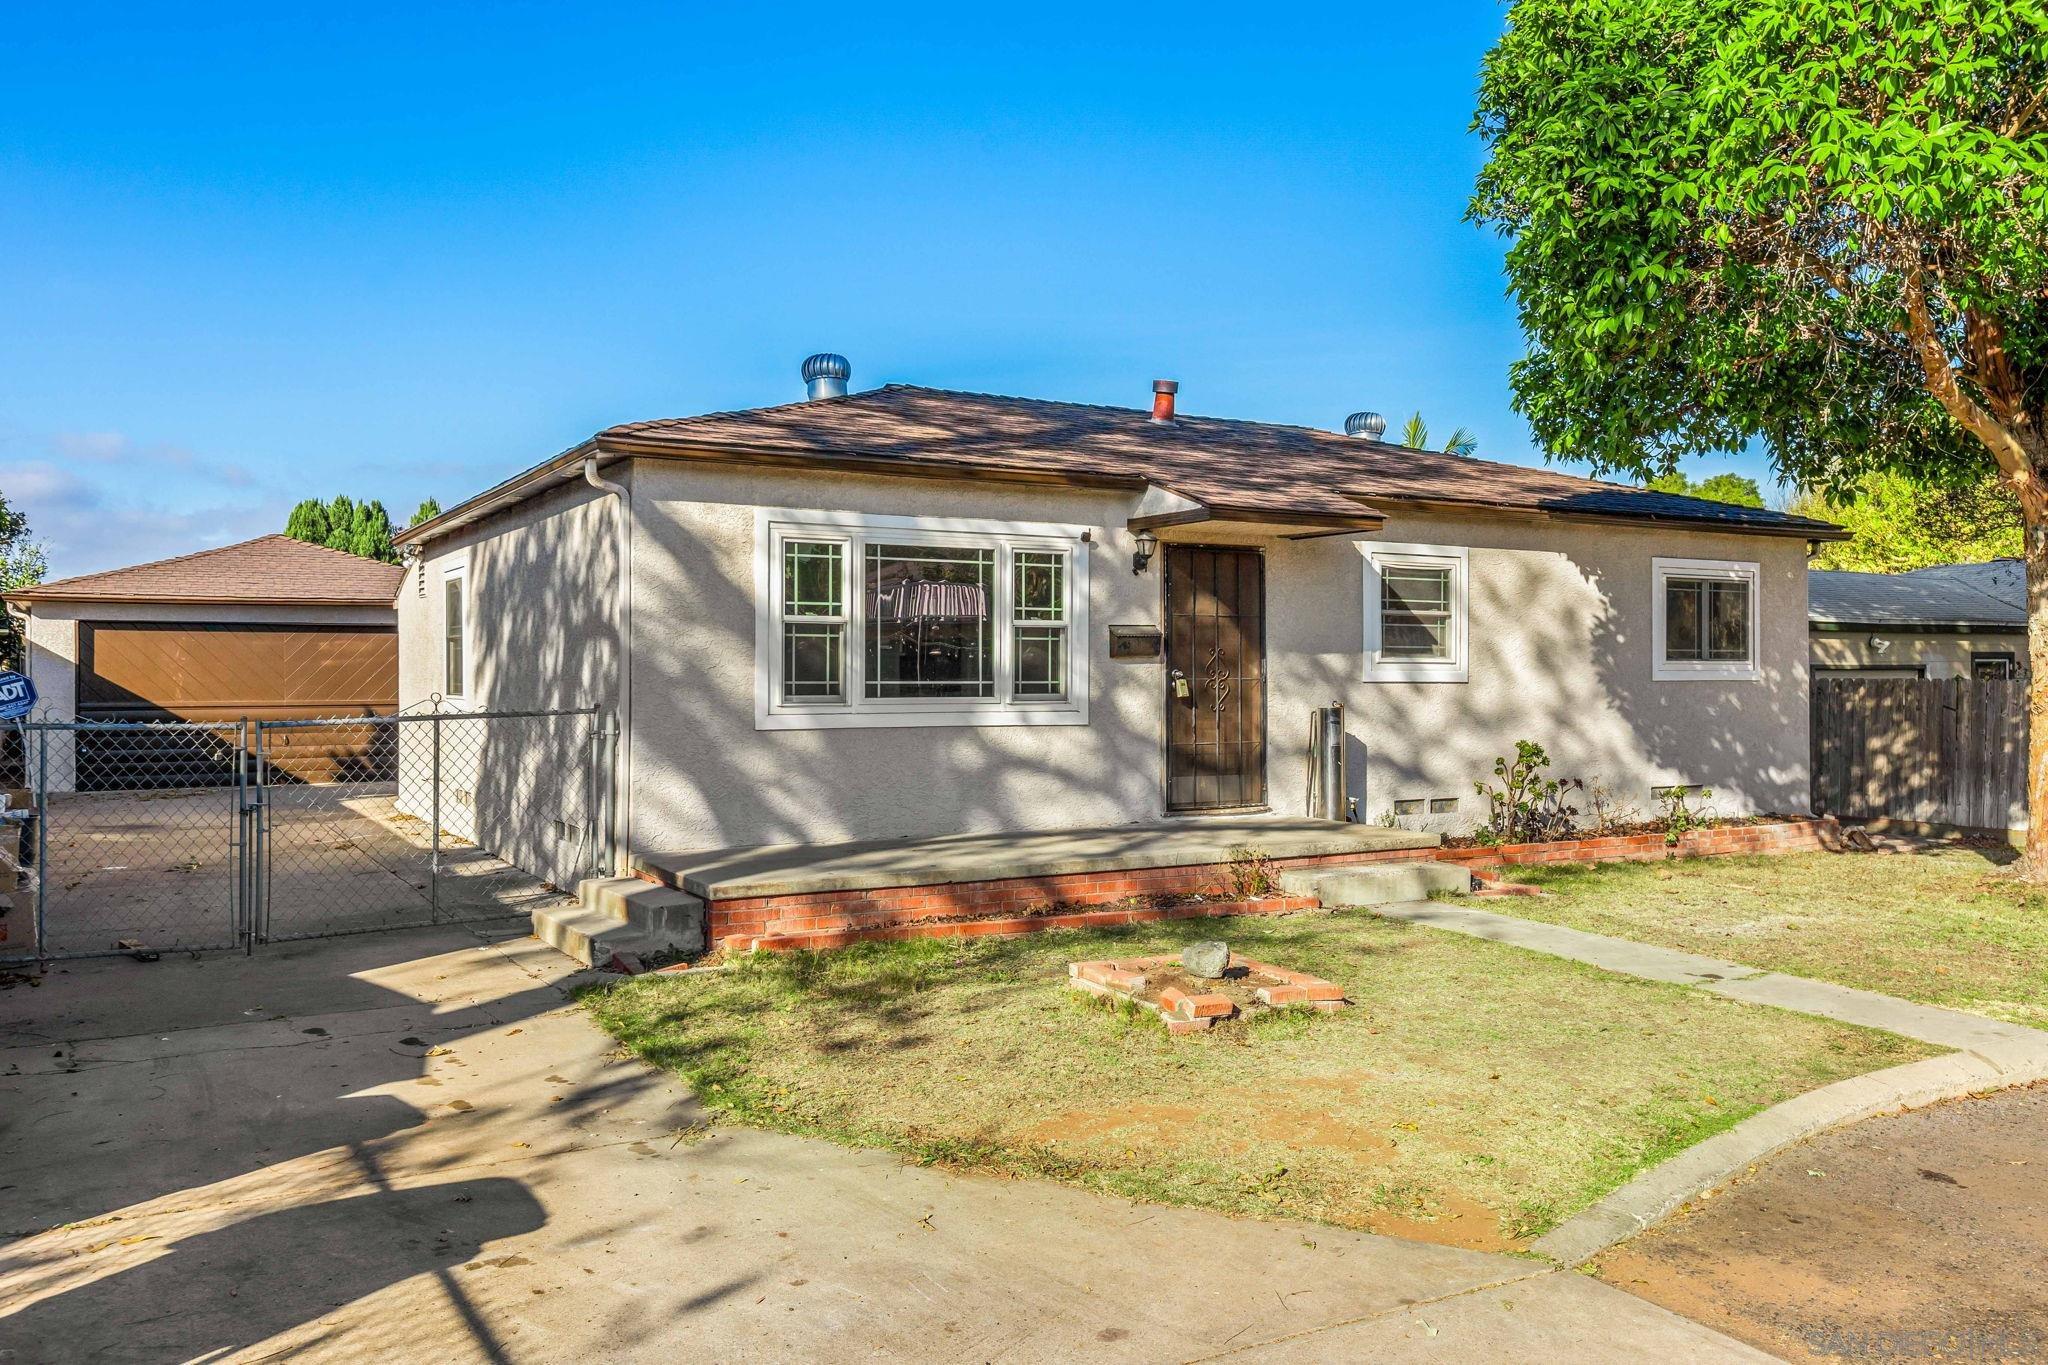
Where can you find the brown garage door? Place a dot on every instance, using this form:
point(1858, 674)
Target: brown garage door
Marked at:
point(153, 671)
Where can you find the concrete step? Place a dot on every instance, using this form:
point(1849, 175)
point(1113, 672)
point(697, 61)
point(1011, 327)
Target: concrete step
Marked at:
point(1377, 884)
point(622, 915)
point(592, 939)
point(652, 909)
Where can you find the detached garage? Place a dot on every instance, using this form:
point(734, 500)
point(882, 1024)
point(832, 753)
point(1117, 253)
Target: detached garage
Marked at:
point(270, 629)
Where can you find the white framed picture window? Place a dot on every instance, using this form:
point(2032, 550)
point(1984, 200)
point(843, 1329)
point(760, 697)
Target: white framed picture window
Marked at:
point(1416, 612)
point(878, 621)
point(1705, 620)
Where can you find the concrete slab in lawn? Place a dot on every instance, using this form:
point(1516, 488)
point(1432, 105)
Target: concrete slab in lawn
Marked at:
point(412, 1146)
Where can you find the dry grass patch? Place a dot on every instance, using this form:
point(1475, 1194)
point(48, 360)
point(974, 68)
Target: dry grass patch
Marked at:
point(1947, 926)
point(1475, 1094)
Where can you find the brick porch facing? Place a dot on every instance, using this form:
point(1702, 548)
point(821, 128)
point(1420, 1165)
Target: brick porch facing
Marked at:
point(736, 922)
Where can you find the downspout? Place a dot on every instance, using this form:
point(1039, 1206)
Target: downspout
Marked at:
point(622, 787)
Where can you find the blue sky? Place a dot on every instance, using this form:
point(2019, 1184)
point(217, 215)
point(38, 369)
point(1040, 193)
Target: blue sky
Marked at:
point(399, 251)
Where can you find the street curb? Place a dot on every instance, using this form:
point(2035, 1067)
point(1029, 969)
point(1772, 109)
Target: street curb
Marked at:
point(1662, 1190)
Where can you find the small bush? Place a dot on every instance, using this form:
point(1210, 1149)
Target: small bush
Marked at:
point(1525, 807)
point(1251, 874)
point(1678, 817)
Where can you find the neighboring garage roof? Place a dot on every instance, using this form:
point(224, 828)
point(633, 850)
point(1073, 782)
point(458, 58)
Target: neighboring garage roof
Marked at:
point(268, 569)
point(1989, 596)
point(1234, 470)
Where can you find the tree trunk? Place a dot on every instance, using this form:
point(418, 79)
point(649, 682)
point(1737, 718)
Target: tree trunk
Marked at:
point(2035, 863)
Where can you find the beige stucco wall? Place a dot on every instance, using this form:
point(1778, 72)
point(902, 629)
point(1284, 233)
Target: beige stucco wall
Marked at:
point(542, 593)
point(704, 777)
point(1940, 655)
point(1560, 653)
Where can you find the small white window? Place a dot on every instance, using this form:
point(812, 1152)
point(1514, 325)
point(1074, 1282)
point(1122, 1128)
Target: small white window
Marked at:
point(1705, 622)
point(884, 621)
point(455, 632)
point(1415, 610)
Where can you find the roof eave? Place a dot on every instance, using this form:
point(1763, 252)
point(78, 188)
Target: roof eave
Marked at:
point(516, 489)
point(1790, 531)
point(32, 596)
point(1832, 626)
point(920, 467)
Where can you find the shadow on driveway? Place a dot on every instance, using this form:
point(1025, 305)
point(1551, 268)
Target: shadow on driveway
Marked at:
point(244, 1283)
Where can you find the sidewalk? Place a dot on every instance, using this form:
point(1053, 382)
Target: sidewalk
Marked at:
point(413, 1145)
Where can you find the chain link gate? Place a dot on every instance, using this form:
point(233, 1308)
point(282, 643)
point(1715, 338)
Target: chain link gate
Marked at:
point(194, 835)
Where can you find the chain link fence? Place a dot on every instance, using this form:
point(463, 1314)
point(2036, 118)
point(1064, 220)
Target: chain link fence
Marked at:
point(180, 835)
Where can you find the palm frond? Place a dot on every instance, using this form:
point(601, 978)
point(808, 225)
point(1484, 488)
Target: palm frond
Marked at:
point(1415, 435)
point(1462, 442)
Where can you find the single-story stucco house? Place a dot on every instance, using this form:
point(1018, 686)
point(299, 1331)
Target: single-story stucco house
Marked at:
point(267, 629)
point(1948, 621)
point(910, 612)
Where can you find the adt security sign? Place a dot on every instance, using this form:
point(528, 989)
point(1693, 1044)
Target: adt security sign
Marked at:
point(17, 696)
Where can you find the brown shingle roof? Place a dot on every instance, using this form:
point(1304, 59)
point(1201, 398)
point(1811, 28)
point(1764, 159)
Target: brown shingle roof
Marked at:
point(1232, 467)
point(1237, 470)
point(271, 568)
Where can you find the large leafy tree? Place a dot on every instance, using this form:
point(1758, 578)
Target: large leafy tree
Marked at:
point(1901, 523)
point(360, 528)
point(22, 563)
point(1822, 224)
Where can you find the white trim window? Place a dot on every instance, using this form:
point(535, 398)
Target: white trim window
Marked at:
point(865, 620)
point(1705, 622)
point(1416, 624)
point(455, 652)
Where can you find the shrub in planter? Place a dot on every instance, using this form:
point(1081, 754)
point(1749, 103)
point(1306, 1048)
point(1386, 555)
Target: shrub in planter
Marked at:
point(1524, 806)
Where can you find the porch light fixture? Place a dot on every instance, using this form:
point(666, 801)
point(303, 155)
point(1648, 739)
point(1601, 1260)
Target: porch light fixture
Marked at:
point(1148, 545)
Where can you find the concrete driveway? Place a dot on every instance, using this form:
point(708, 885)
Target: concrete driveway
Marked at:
point(410, 1145)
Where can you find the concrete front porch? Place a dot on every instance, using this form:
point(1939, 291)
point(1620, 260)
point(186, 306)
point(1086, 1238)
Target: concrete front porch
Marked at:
point(826, 889)
point(806, 869)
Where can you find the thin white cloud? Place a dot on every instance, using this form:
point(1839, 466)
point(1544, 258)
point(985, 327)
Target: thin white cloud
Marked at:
point(86, 528)
point(113, 448)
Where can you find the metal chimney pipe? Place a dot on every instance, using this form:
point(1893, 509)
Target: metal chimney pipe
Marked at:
point(825, 375)
point(1163, 391)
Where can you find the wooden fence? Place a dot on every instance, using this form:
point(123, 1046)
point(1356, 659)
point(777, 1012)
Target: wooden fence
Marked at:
point(1945, 751)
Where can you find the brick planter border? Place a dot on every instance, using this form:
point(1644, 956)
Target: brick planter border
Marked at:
point(1782, 836)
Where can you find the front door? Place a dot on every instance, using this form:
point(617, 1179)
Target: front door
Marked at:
point(1215, 678)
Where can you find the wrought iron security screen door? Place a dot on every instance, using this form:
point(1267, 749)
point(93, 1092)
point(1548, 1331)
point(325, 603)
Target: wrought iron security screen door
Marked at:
point(1215, 678)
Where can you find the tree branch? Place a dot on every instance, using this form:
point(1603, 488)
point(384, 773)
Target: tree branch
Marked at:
point(2013, 458)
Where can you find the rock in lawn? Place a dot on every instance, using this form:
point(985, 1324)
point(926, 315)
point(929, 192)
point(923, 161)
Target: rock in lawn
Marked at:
point(1207, 959)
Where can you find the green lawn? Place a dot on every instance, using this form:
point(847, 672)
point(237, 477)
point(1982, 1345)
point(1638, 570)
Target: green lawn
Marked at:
point(1950, 927)
point(1475, 1094)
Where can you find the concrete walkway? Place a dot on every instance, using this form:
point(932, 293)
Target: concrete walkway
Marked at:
point(412, 1146)
point(1988, 1055)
